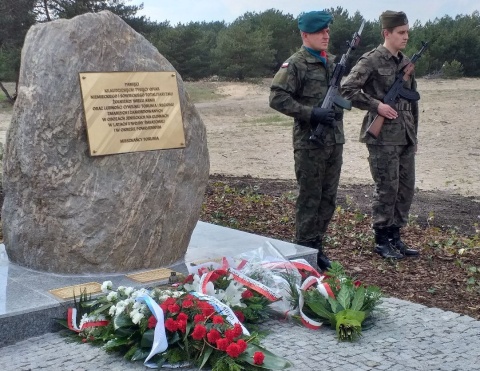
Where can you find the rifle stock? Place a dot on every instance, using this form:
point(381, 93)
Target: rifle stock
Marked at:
point(376, 126)
point(397, 90)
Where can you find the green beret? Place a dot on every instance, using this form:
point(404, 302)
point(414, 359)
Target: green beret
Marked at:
point(315, 21)
point(391, 19)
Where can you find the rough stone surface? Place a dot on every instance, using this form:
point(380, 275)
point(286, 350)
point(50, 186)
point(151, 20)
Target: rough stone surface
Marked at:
point(67, 212)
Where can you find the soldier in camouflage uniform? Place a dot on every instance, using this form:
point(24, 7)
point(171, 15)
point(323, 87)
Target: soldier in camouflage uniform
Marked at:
point(298, 90)
point(392, 154)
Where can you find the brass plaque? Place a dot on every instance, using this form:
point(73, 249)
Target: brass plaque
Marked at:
point(131, 111)
point(153, 275)
point(69, 291)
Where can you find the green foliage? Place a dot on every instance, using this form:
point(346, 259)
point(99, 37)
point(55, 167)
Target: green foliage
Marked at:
point(189, 47)
point(243, 52)
point(9, 65)
point(283, 28)
point(16, 17)
point(452, 70)
point(254, 45)
point(350, 305)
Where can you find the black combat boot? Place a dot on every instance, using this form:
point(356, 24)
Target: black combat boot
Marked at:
point(383, 247)
point(322, 260)
point(396, 241)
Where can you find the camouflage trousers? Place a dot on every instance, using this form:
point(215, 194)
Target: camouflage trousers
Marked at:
point(393, 171)
point(318, 173)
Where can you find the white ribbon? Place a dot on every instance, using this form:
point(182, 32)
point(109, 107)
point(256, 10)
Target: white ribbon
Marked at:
point(160, 343)
point(221, 308)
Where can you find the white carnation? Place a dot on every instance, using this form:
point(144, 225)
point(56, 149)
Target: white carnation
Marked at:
point(177, 294)
point(138, 293)
point(106, 286)
point(136, 316)
point(120, 307)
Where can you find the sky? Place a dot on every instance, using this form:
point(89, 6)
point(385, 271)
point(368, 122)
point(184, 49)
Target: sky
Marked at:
point(185, 11)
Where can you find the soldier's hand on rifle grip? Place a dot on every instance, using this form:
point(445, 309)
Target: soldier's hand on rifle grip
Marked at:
point(323, 116)
point(386, 111)
point(408, 69)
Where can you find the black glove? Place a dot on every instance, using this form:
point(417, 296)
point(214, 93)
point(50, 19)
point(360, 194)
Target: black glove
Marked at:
point(323, 116)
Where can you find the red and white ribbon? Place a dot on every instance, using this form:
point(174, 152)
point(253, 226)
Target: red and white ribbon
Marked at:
point(72, 321)
point(323, 288)
point(255, 285)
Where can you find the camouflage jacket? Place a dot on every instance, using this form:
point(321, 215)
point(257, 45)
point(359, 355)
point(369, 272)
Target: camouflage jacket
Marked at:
point(366, 85)
point(299, 85)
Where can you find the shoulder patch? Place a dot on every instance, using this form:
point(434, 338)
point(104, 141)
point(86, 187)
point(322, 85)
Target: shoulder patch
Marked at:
point(285, 65)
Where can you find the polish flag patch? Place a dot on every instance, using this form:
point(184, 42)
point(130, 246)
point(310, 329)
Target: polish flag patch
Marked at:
point(285, 65)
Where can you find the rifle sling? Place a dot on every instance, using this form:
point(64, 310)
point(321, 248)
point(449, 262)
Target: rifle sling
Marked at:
point(403, 106)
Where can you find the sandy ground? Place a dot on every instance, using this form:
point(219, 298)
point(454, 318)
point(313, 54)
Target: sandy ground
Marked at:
point(246, 137)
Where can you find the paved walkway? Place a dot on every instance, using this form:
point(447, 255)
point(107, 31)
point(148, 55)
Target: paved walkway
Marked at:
point(407, 337)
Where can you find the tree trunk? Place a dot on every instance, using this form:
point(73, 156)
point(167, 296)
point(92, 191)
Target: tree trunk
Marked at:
point(9, 97)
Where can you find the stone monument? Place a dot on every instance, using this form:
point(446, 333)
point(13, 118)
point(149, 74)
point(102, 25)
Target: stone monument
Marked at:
point(66, 211)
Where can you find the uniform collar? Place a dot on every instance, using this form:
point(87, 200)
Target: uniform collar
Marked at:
point(311, 59)
point(387, 55)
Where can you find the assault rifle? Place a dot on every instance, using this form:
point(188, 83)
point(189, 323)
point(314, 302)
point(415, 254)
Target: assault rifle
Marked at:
point(333, 97)
point(396, 91)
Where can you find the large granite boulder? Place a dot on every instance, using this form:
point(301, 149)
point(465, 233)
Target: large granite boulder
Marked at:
point(67, 212)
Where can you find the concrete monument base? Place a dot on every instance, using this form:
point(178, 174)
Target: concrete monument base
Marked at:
point(28, 308)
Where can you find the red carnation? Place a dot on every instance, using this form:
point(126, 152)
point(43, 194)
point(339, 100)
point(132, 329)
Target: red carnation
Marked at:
point(206, 308)
point(240, 316)
point(357, 283)
point(171, 325)
point(230, 334)
point(152, 322)
point(223, 343)
point(182, 316)
point(182, 325)
point(218, 320)
point(237, 329)
point(188, 279)
point(187, 303)
point(258, 358)
point(213, 336)
point(174, 308)
point(247, 294)
point(199, 332)
point(166, 304)
point(198, 318)
point(233, 350)
point(169, 301)
point(242, 344)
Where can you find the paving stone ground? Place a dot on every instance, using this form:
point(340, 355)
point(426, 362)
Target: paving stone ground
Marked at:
point(406, 336)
